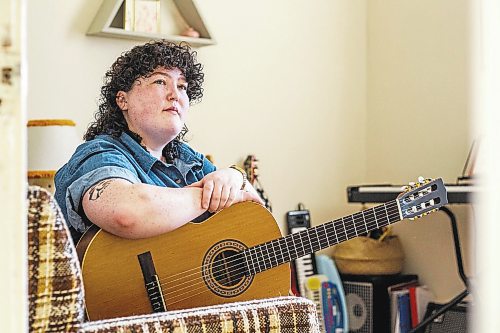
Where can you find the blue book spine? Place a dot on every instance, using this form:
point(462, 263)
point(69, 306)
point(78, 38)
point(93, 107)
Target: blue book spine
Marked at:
point(404, 312)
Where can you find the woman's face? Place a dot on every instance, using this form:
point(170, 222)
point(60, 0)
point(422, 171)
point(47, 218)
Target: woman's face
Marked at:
point(156, 106)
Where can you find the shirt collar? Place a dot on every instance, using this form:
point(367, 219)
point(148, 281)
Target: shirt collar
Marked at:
point(142, 156)
point(146, 160)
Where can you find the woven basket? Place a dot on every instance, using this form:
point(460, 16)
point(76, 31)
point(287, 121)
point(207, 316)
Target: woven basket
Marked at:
point(367, 256)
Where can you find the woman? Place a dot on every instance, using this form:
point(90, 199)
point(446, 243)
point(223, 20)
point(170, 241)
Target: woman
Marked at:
point(134, 176)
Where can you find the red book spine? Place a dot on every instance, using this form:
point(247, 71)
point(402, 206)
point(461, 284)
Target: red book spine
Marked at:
point(413, 306)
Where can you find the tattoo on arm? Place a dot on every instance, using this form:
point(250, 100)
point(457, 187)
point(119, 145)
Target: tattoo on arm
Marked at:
point(97, 189)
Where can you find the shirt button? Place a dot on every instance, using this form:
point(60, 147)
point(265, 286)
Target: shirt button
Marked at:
point(178, 181)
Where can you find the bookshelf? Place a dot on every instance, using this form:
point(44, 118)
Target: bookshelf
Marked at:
point(109, 22)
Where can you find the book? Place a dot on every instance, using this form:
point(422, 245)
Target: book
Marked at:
point(393, 292)
point(398, 310)
point(420, 296)
point(413, 306)
point(404, 311)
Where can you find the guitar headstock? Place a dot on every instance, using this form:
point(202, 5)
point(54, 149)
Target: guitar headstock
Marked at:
point(422, 197)
point(250, 166)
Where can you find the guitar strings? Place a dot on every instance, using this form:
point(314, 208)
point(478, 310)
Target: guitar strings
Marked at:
point(302, 247)
point(358, 219)
point(203, 288)
point(240, 268)
point(324, 225)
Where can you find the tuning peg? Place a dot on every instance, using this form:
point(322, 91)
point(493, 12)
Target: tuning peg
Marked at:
point(427, 180)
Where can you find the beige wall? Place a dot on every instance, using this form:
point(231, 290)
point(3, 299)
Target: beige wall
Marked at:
point(419, 98)
point(325, 94)
point(418, 88)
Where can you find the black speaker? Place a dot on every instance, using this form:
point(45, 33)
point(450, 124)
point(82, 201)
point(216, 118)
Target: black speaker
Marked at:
point(454, 320)
point(368, 301)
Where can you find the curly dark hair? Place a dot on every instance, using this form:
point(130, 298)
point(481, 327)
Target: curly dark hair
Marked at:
point(141, 61)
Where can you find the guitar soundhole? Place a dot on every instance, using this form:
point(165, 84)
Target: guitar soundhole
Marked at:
point(228, 268)
point(224, 269)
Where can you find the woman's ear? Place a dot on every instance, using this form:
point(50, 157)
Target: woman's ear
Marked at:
point(121, 100)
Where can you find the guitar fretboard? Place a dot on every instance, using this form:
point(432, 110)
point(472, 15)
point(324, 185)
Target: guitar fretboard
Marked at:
point(285, 249)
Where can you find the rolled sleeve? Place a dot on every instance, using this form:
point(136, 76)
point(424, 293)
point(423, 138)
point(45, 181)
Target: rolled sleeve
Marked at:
point(75, 192)
point(208, 167)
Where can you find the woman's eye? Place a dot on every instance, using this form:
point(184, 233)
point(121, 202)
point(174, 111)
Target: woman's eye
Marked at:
point(160, 81)
point(182, 86)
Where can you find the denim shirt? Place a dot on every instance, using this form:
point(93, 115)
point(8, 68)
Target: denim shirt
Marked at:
point(107, 157)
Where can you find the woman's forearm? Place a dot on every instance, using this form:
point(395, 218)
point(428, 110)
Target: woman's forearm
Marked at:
point(140, 210)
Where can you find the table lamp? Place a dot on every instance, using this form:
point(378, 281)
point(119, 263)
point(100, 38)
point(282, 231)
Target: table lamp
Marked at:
point(51, 142)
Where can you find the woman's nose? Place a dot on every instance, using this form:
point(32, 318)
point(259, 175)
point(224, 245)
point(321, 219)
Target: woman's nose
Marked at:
point(173, 94)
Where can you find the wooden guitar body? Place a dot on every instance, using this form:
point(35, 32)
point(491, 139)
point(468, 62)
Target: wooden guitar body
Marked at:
point(114, 281)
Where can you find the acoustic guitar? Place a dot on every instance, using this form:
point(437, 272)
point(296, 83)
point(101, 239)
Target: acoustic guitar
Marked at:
point(237, 254)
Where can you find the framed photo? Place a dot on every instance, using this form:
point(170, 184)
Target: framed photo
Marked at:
point(128, 15)
point(142, 15)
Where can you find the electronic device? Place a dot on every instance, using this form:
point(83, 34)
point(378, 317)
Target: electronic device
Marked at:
point(457, 194)
point(453, 320)
point(298, 220)
point(335, 294)
point(326, 296)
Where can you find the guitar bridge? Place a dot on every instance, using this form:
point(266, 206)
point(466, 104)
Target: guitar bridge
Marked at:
point(151, 282)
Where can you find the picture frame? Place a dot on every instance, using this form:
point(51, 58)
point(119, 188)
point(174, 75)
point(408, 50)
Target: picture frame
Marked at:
point(142, 15)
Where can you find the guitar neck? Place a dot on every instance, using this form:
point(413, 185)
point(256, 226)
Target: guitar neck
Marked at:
point(285, 249)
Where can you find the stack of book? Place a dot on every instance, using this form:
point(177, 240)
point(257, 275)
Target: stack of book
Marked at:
point(408, 305)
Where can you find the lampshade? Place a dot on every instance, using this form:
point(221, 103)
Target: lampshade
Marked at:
point(51, 142)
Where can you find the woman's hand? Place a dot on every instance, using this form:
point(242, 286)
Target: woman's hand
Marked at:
point(222, 188)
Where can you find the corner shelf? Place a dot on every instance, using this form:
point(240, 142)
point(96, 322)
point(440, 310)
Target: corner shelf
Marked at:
point(109, 22)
